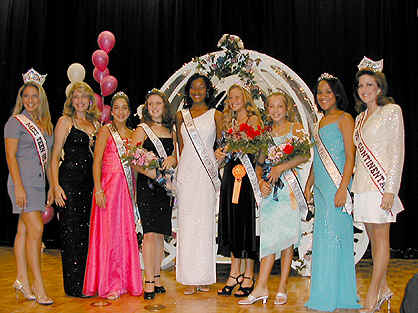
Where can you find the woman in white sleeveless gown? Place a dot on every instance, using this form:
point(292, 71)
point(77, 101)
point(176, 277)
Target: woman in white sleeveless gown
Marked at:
point(196, 196)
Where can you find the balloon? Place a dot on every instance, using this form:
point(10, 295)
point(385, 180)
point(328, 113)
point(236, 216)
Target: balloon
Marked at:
point(67, 90)
point(105, 117)
point(99, 102)
point(47, 215)
point(76, 72)
point(106, 41)
point(108, 85)
point(99, 75)
point(100, 59)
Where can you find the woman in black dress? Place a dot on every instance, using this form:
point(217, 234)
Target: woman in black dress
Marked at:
point(153, 203)
point(236, 223)
point(73, 181)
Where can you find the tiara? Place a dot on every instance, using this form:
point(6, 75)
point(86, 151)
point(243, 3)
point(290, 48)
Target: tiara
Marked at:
point(326, 76)
point(374, 66)
point(120, 94)
point(33, 76)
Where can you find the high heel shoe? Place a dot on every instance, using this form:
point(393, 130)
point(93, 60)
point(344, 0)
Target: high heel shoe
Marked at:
point(386, 296)
point(227, 290)
point(246, 291)
point(149, 295)
point(159, 289)
point(42, 300)
point(251, 300)
point(281, 298)
point(19, 287)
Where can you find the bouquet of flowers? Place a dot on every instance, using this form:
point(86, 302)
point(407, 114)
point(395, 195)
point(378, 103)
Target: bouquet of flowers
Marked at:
point(295, 146)
point(246, 139)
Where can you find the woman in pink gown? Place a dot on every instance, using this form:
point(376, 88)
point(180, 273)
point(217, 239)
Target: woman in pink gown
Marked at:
point(113, 266)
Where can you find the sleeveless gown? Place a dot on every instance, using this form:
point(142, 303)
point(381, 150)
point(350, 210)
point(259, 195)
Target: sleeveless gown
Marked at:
point(153, 203)
point(279, 220)
point(76, 179)
point(113, 261)
point(333, 280)
point(236, 222)
point(196, 200)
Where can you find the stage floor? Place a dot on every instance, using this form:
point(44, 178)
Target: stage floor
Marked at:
point(400, 271)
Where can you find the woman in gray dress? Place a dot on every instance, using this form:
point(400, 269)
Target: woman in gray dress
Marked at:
point(28, 138)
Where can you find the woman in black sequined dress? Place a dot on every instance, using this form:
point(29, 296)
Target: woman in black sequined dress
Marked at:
point(73, 182)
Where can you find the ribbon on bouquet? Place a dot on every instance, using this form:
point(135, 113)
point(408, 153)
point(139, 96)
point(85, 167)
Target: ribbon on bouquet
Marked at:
point(373, 166)
point(127, 171)
point(331, 168)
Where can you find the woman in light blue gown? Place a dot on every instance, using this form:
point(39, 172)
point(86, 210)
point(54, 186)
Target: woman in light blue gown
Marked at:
point(333, 281)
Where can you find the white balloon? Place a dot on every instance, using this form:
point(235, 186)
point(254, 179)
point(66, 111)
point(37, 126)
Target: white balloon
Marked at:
point(67, 90)
point(76, 72)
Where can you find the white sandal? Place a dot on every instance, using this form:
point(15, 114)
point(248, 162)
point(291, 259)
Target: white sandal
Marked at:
point(281, 298)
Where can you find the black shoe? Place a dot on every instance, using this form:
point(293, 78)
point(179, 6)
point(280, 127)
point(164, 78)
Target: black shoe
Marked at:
point(151, 294)
point(245, 290)
point(159, 289)
point(227, 290)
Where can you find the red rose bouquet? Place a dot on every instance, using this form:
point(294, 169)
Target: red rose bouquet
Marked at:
point(246, 139)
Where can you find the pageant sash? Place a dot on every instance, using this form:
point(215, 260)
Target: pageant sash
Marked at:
point(373, 166)
point(127, 171)
point(38, 139)
point(245, 160)
point(294, 185)
point(211, 168)
point(155, 140)
point(331, 168)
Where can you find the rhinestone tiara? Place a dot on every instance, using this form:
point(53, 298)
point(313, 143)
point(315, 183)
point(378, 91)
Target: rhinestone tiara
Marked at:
point(120, 94)
point(33, 76)
point(375, 66)
point(326, 76)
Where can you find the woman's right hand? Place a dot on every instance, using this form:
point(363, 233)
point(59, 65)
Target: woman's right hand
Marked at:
point(220, 154)
point(20, 195)
point(265, 188)
point(100, 199)
point(59, 196)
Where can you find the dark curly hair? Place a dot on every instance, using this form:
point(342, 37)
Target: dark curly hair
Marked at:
point(338, 90)
point(210, 91)
point(167, 115)
point(381, 82)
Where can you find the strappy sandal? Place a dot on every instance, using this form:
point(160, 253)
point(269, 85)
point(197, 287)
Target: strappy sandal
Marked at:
point(159, 289)
point(245, 290)
point(149, 295)
point(227, 290)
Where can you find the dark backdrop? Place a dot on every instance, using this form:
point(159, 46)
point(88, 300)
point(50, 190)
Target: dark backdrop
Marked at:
point(156, 37)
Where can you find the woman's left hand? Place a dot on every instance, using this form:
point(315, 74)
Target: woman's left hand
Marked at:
point(340, 197)
point(169, 162)
point(274, 174)
point(387, 201)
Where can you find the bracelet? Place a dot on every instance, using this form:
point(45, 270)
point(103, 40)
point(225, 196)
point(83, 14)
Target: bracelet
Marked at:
point(99, 191)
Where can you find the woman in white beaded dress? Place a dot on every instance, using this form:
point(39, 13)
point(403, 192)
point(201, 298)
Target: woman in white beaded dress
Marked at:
point(197, 186)
point(379, 139)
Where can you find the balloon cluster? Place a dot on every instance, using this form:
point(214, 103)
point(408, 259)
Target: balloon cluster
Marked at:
point(101, 74)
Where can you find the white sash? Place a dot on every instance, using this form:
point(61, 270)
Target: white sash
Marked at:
point(155, 140)
point(253, 180)
point(294, 185)
point(331, 168)
point(371, 163)
point(127, 171)
point(211, 168)
point(38, 139)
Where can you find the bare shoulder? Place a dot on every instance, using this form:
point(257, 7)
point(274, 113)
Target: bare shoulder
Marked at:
point(346, 119)
point(64, 120)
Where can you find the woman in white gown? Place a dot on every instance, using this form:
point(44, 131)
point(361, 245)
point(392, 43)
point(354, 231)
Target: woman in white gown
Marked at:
point(197, 186)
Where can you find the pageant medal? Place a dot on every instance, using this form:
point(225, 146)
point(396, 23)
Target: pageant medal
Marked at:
point(239, 172)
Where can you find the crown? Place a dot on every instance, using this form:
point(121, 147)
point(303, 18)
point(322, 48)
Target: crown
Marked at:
point(120, 94)
point(326, 76)
point(33, 76)
point(375, 66)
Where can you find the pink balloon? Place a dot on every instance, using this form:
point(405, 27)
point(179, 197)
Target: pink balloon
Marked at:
point(99, 75)
point(106, 41)
point(105, 116)
point(100, 59)
point(99, 102)
point(48, 214)
point(108, 85)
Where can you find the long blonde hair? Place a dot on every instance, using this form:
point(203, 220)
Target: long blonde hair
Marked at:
point(292, 115)
point(250, 107)
point(92, 113)
point(43, 113)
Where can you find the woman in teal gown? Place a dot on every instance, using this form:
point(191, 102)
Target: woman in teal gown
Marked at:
point(333, 281)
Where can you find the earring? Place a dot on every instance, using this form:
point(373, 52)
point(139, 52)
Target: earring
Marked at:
point(207, 94)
